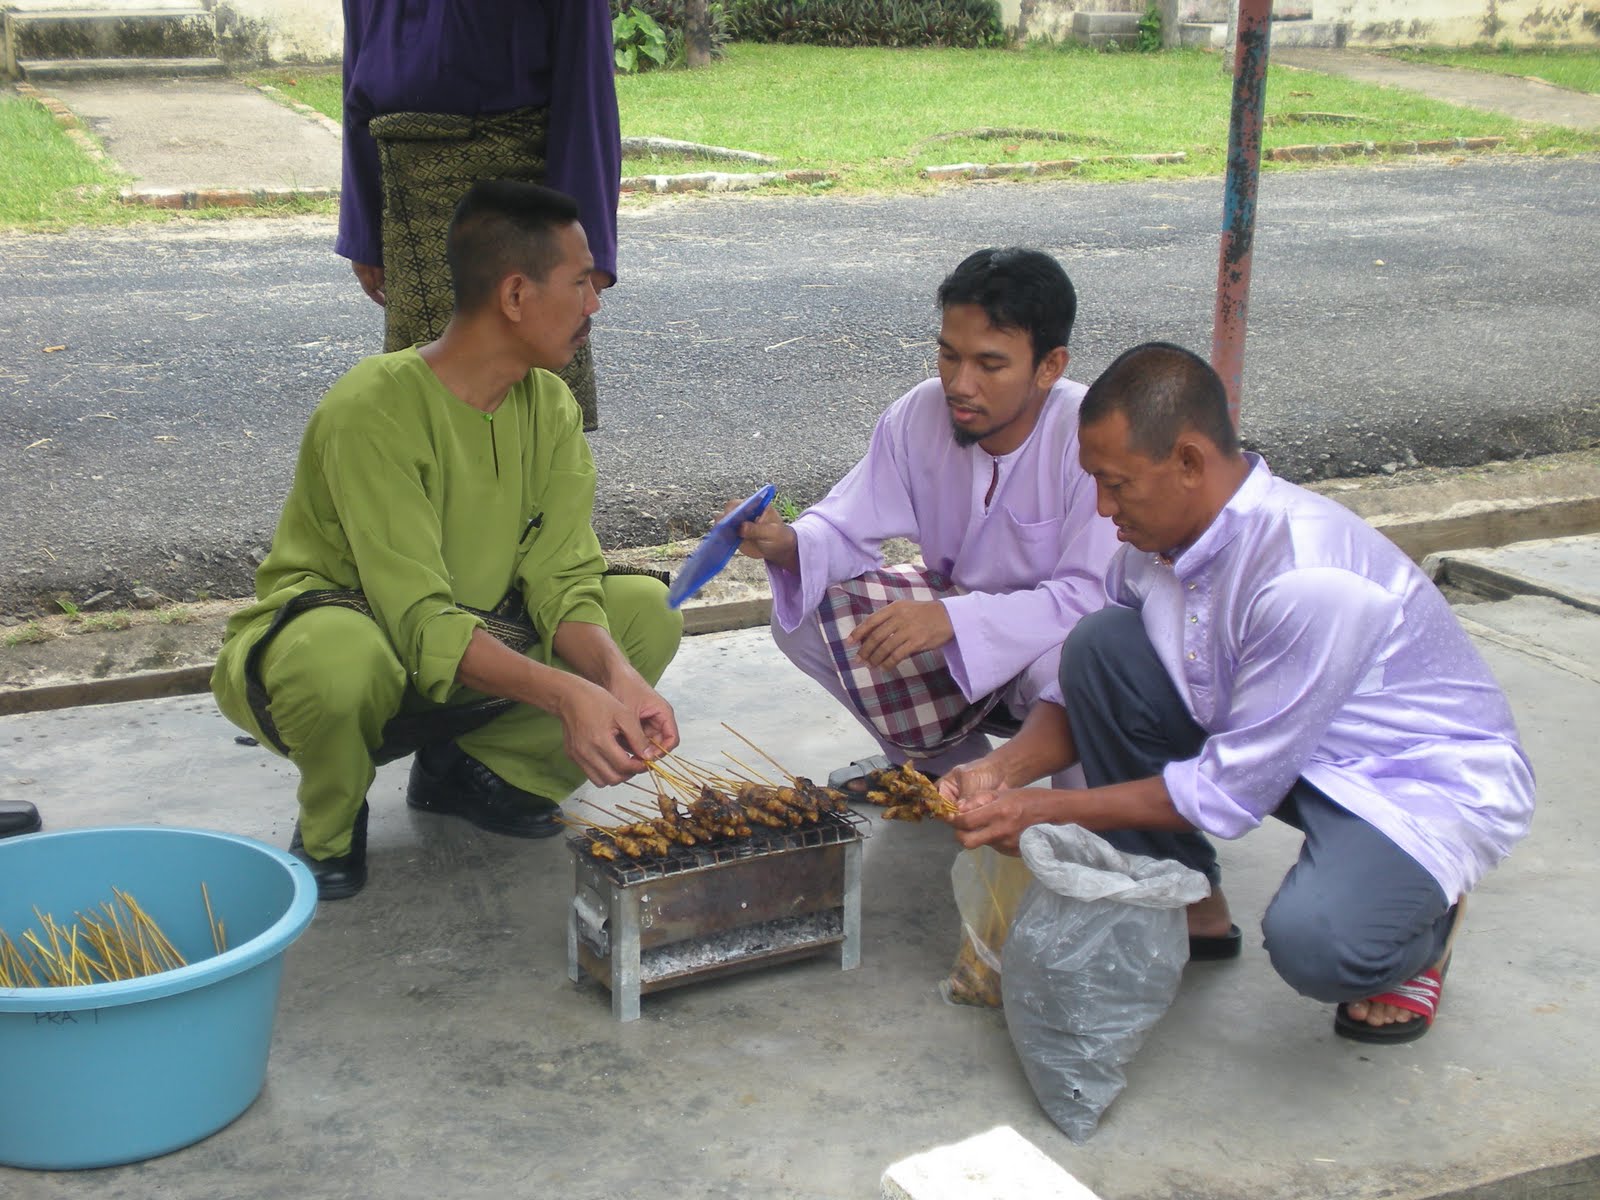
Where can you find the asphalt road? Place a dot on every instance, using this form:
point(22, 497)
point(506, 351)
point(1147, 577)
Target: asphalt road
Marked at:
point(1437, 313)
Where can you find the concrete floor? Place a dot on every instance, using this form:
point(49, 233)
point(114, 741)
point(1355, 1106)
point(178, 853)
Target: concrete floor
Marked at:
point(429, 1043)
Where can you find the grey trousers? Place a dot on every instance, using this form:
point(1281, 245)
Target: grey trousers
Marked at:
point(1354, 916)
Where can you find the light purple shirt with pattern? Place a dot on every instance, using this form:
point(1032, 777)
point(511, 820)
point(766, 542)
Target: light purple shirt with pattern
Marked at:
point(1306, 644)
point(1031, 562)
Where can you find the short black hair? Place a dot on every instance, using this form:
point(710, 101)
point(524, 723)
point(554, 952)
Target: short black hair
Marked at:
point(1017, 289)
point(501, 226)
point(1162, 390)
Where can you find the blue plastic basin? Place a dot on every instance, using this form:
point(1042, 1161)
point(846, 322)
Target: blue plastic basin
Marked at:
point(117, 1072)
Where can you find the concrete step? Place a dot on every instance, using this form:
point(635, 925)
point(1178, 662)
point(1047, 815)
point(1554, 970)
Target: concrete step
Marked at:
point(30, 16)
point(149, 32)
point(1208, 11)
point(1566, 569)
point(1098, 28)
point(1322, 35)
point(64, 69)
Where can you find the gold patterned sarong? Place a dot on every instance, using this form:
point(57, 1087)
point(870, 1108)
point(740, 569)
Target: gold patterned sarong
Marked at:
point(428, 162)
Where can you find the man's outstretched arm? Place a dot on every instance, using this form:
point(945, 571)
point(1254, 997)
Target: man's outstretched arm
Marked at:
point(996, 806)
point(612, 720)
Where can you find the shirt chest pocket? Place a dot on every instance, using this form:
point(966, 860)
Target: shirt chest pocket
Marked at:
point(1037, 543)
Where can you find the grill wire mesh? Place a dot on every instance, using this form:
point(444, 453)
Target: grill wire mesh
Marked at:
point(830, 828)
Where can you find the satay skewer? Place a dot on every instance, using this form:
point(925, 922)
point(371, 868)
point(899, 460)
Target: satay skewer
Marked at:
point(604, 812)
point(755, 776)
point(671, 777)
point(781, 770)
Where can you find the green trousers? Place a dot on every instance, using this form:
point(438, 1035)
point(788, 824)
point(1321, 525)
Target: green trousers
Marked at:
point(334, 682)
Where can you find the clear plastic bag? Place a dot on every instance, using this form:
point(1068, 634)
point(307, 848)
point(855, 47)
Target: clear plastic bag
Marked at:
point(1093, 960)
point(988, 888)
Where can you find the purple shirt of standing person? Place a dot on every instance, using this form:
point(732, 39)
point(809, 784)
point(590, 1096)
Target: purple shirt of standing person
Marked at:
point(470, 59)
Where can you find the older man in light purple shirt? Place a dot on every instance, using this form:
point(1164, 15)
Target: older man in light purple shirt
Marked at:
point(979, 467)
point(1272, 656)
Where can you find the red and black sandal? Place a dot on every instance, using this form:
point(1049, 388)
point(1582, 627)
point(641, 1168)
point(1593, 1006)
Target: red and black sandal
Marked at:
point(1419, 994)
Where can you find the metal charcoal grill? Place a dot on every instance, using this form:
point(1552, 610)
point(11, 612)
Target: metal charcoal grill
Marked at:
point(715, 909)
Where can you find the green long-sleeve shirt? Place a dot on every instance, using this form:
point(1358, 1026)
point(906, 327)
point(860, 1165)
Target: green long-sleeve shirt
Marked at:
point(426, 504)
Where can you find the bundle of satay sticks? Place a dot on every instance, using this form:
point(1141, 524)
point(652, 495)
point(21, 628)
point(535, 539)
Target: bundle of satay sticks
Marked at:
point(696, 804)
point(117, 941)
point(906, 794)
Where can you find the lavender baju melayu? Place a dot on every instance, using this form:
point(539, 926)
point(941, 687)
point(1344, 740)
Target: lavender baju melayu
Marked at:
point(1292, 662)
point(1030, 559)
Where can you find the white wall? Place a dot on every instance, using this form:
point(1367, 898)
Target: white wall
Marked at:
point(1463, 22)
point(1371, 22)
point(289, 31)
point(313, 30)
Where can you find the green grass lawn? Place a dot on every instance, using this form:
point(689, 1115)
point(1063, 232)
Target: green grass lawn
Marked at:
point(320, 87)
point(1573, 67)
point(47, 180)
point(875, 117)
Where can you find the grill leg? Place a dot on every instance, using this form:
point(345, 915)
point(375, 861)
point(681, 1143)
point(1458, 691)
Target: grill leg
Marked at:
point(850, 948)
point(625, 954)
point(572, 923)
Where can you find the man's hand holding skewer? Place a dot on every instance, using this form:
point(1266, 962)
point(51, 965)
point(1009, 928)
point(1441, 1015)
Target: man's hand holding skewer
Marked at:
point(993, 809)
point(612, 730)
point(990, 813)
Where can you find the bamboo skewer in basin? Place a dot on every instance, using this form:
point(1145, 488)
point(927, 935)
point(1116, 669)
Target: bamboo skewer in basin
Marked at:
point(114, 942)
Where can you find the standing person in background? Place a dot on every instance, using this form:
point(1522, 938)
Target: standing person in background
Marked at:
point(438, 96)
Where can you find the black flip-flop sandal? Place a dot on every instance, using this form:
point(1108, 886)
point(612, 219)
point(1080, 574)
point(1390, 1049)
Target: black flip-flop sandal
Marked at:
point(1215, 949)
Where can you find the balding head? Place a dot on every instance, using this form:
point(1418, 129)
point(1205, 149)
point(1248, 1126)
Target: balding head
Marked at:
point(1163, 391)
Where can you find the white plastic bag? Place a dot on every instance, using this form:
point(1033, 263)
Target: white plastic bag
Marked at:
point(1093, 960)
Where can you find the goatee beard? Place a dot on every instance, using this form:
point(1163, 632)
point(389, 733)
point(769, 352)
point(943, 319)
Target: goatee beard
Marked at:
point(965, 437)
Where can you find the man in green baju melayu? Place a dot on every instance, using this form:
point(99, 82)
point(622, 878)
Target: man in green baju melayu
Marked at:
point(435, 580)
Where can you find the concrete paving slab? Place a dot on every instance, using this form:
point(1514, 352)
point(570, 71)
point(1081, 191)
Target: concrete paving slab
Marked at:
point(202, 134)
point(429, 1043)
point(1524, 99)
point(1567, 568)
point(1566, 637)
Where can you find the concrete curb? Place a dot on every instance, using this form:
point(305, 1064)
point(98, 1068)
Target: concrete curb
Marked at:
point(720, 181)
point(663, 145)
point(1056, 166)
point(195, 680)
point(1337, 150)
point(1477, 525)
point(305, 110)
point(188, 198)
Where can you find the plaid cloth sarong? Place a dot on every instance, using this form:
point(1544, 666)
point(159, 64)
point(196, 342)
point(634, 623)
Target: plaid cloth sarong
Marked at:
point(427, 163)
point(917, 705)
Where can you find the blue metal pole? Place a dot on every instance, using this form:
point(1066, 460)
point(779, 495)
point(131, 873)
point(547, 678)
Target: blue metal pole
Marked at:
point(1239, 196)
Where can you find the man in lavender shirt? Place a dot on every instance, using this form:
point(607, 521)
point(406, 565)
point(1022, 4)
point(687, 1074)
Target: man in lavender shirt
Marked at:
point(1269, 654)
point(979, 467)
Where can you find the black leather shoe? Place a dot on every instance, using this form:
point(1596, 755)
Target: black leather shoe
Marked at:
point(17, 817)
point(344, 875)
point(447, 781)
